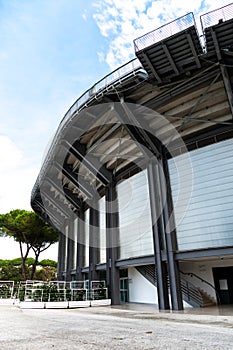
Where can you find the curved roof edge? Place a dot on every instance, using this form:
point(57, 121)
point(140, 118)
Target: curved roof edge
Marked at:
point(109, 82)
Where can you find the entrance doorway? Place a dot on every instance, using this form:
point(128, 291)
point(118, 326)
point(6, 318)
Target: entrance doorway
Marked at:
point(223, 280)
point(124, 290)
point(124, 287)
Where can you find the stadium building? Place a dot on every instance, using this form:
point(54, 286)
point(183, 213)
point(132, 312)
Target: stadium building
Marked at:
point(138, 178)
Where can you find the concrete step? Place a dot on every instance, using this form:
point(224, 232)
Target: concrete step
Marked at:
point(208, 300)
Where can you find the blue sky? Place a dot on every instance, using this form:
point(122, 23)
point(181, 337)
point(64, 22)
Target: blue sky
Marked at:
point(51, 52)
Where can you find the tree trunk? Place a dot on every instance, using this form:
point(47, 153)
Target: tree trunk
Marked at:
point(24, 257)
point(37, 253)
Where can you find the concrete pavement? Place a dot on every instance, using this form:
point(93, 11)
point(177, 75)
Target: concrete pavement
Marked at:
point(131, 326)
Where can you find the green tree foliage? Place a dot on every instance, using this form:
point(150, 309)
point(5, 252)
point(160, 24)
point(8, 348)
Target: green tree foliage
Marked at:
point(16, 262)
point(30, 231)
point(48, 262)
point(5, 262)
point(10, 270)
point(11, 273)
point(46, 273)
point(30, 261)
point(48, 270)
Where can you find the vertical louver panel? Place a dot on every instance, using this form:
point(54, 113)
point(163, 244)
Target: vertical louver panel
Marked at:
point(208, 220)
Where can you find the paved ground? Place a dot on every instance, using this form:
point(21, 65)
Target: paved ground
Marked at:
point(114, 328)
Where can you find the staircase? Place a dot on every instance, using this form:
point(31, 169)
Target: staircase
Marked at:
point(191, 294)
point(208, 300)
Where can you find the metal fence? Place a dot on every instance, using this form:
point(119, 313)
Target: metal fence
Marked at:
point(214, 17)
point(40, 291)
point(6, 289)
point(164, 31)
point(98, 290)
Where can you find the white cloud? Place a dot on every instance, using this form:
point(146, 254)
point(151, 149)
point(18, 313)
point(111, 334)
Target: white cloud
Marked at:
point(120, 21)
point(84, 16)
point(15, 188)
point(10, 155)
point(17, 177)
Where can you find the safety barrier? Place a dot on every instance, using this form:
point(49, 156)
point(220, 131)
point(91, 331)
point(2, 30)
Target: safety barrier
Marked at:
point(164, 31)
point(214, 17)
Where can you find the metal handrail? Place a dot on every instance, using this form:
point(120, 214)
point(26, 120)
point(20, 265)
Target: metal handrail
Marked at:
point(164, 31)
point(213, 17)
point(191, 274)
point(103, 83)
point(188, 289)
point(191, 292)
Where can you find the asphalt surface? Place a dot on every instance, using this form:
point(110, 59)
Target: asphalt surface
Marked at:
point(113, 328)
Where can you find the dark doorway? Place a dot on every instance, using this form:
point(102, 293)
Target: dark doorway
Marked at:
point(223, 280)
point(124, 286)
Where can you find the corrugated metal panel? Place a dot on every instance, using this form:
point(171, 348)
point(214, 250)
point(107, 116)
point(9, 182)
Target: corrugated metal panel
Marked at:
point(134, 217)
point(208, 220)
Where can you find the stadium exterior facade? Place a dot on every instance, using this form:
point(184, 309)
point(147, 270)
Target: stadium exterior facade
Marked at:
point(139, 176)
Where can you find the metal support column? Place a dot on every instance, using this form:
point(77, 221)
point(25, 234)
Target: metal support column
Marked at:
point(112, 244)
point(80, 245)
point(69, 259)
point(94, 243)
point(158, 234)
point(70, 249)
point(60, 265)
point(170, 234)
point(66, 251)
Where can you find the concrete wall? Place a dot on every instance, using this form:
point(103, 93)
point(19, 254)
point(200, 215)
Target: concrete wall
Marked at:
point(140, 289)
